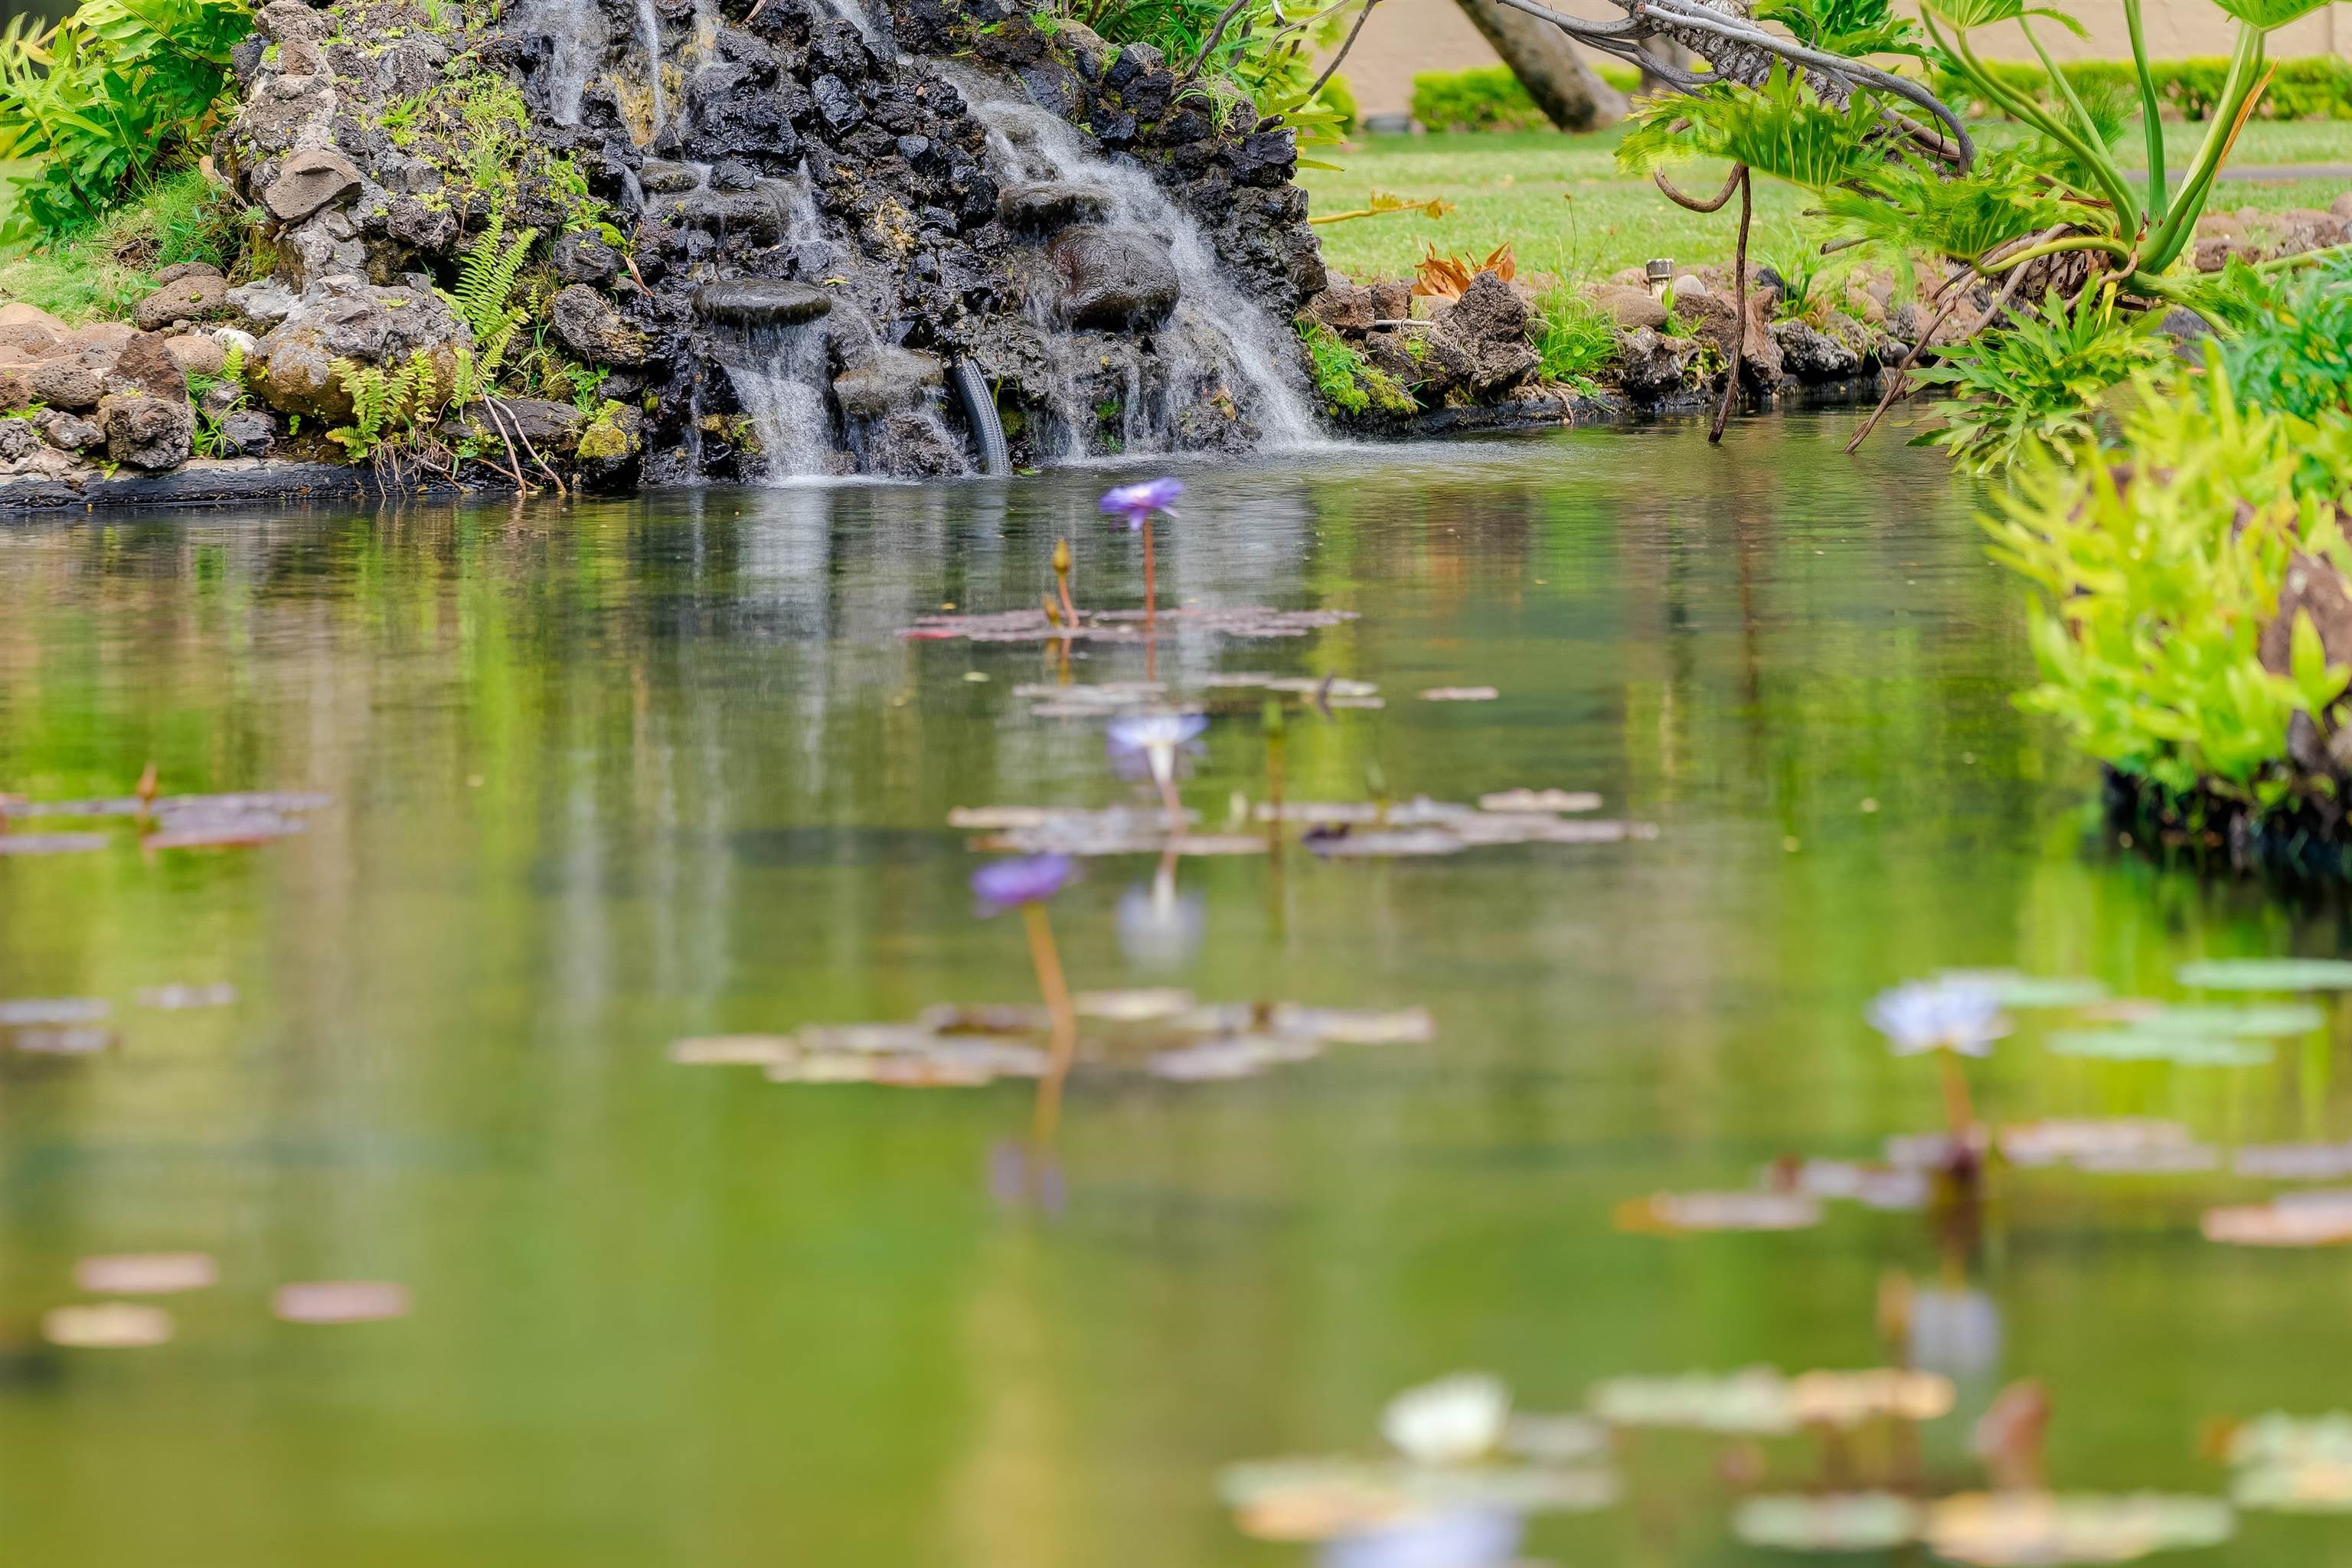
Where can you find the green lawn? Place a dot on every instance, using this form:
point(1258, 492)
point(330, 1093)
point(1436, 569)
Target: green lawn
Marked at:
point(1561, 202)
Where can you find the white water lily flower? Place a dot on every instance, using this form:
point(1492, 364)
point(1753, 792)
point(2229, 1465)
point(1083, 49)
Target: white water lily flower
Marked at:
point(1961, 1015)
point(1453, 1421)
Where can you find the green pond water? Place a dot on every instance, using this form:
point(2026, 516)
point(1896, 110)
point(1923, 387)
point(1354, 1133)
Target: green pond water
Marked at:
point(609, 774)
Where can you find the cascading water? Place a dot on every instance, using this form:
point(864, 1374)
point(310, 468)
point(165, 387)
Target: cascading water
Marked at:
point(1217, 335)
point(649, 38)
point(575, 29)
point(781, 383)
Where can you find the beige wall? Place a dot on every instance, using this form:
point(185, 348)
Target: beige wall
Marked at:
point(1405, 36)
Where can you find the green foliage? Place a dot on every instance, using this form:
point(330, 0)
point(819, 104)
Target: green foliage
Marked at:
point(2159, 575)
point(396, 413)
point(1908, 204)
point(2035, 387)
point(1578, 338)
point(1267, 49)
point(2292, 352)
point(1779, 129)
point(2313, 87)
point(96, 102)
point(484, 298)
point(104, 269)
point(1850, 28)
point(1347, 381)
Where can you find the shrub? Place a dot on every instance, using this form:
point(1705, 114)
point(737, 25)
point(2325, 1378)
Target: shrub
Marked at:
point(2294, 351)
point(105, 268)
point(2159, 575)
point(93, 103)
point(1488, 99)
point(2034, 388)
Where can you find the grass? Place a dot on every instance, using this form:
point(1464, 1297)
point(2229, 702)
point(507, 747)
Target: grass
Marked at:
point(103, 270)
point(1560, 200)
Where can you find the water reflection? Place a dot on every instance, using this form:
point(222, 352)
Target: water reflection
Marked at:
point(613, 775)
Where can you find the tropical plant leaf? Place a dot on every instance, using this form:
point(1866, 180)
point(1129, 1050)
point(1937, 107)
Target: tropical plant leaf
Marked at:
point(2267, 15)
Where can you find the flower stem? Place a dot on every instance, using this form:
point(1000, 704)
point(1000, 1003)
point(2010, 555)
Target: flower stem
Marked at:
point(1958, 1109)
point(1062, 582)
point(1150, 589)
point(1064, 1041)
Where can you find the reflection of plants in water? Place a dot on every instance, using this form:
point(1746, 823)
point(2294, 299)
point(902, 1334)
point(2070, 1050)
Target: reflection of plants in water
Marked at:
point(1026, 884)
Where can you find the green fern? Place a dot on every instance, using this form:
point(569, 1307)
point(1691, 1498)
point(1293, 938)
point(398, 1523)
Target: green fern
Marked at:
point(484, 298)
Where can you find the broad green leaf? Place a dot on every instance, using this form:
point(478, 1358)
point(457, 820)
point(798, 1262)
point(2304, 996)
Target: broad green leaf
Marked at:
point(1977, 13)
point(2267, 15)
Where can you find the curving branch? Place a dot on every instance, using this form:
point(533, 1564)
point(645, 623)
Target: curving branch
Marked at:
point(1745, 53)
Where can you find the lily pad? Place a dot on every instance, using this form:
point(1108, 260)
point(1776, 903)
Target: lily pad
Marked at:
point(2025, 992)
point(2010, 1530)
point(107, 1325)
point(1460, 694)
point(1892, 1188)
point(1123, 626)
point(2295, 1161)
point(2293, 1219)
point(51, 843)
point(187, 998)
point(339, 1301)
point(1683, 1213)
point(1245, 1057)
point(1527, 800)
point(1351, 1027)
point(2060, 1141)
point(1134, 1006)
point(52, 1010)
point(61, 1039)
point(1762, 1401)
point(146, 1273)
point(2268, 975)
point(1307, 1499)
point(733, 1050)
point(1833, 1521)
point(2145, 1043)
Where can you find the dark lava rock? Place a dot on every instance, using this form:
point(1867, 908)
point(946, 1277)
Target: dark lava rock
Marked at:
point(308, 181)
point(1114, 279)
point(190, 297)
point(836, 102)
point(761, 302)
point(148, 432)
point(1049, 207)
point(582, 258)
point(248, 431)
point(893, 382)
point(592, 329)
point(1812, 355)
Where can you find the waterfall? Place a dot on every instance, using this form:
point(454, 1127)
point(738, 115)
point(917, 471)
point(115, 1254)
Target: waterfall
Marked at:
point(853, 13)
point(649, 38)
point(781, 383)
point(575, 30)
point(1218, 334)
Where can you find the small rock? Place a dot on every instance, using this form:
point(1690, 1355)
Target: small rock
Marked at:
point(1809, 355)
point(592, 329)
point(552, 428)
point(179, 270)
point(1632, 308)
point(71, 384)
point(1650, 365)
point(1346, 309)
point(248, 432)
point(16, 313)
point(191, 296)
point(2342, 206)
point(419, 226)
point(32, 337)
point(147, 364)
point(308, 181)
point(761, 302)
point(582, 258)
point(284, 21)
point(70, 432)
point(266, 303)
point(1050, 207)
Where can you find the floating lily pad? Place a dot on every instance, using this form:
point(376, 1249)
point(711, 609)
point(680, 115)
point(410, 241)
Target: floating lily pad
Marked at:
point(2289, 1464)
point(2268, 975)
point(185, 998)
point(51, 843)
point(1125, 625)
point(1692, 1212)
point(733, 1050)
point(2141, 1043)
point(1354, 1027)
point(2024, 992)
point(1893, 1188)
point(1245, 1057)
point(2295, 1161)
point(1762, 1401)
point(2291, 1219)
point(1460, 694)
point(2010, 1530)
point(61, 1039)
point(1453, 1421)
point(340, 1302)
point(146, 1273)
point(1526, 800)
point(52, 1010)
point(1936, 1150)
point(1555, 1439)
point(2060, 1141)
point(1850, 1398)
point(107, 1325)
point(1334, 1499)
point(1115, 830)
point(1835, 1521)
point(2312, 1487)
point(1134, 1006)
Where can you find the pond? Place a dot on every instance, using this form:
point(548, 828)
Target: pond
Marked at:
point(603, 776)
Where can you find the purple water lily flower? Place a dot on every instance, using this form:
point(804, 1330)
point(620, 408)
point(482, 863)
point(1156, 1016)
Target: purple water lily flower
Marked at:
point(1002, 885)
point(1963, 1015)
point(1148, 743)
point(1134, 504)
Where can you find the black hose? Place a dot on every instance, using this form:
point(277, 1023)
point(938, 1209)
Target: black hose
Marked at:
point(980, 412)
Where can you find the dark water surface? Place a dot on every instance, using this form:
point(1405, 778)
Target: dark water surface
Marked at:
point(609, 774)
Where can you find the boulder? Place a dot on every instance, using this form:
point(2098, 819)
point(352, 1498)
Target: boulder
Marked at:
point(247, 431)
point(264, 303)
point(69, 382)
point(16, 313)
point(2212, 252)
point(894, 381)
point(362, 323)
point(592, 329)
point(1713, 317)
point(146, 365)
point(308, 181)
point(2342, 206)
point(1052, 207)
point(761, 302)
point(2313, 587)
point(285, 21)
point(421, 227)
point(2301, 229)
point(32, 337)
point(196, 354)
point(1631, 308)
point(1809, 355)
point(1651, 365)
point(1114, 279)
point(552, 429)
point(190, 297)
point(1490, 323)
point(144, 432)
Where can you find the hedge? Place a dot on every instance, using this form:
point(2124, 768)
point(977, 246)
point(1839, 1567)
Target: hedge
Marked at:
point(2315, 87)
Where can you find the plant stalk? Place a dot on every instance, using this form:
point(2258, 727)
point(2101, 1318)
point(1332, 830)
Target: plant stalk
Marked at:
point(2170, 237)
point(2151, 128)
point(1062, 1044)
point(1958, 1109)
point(1739, 311)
